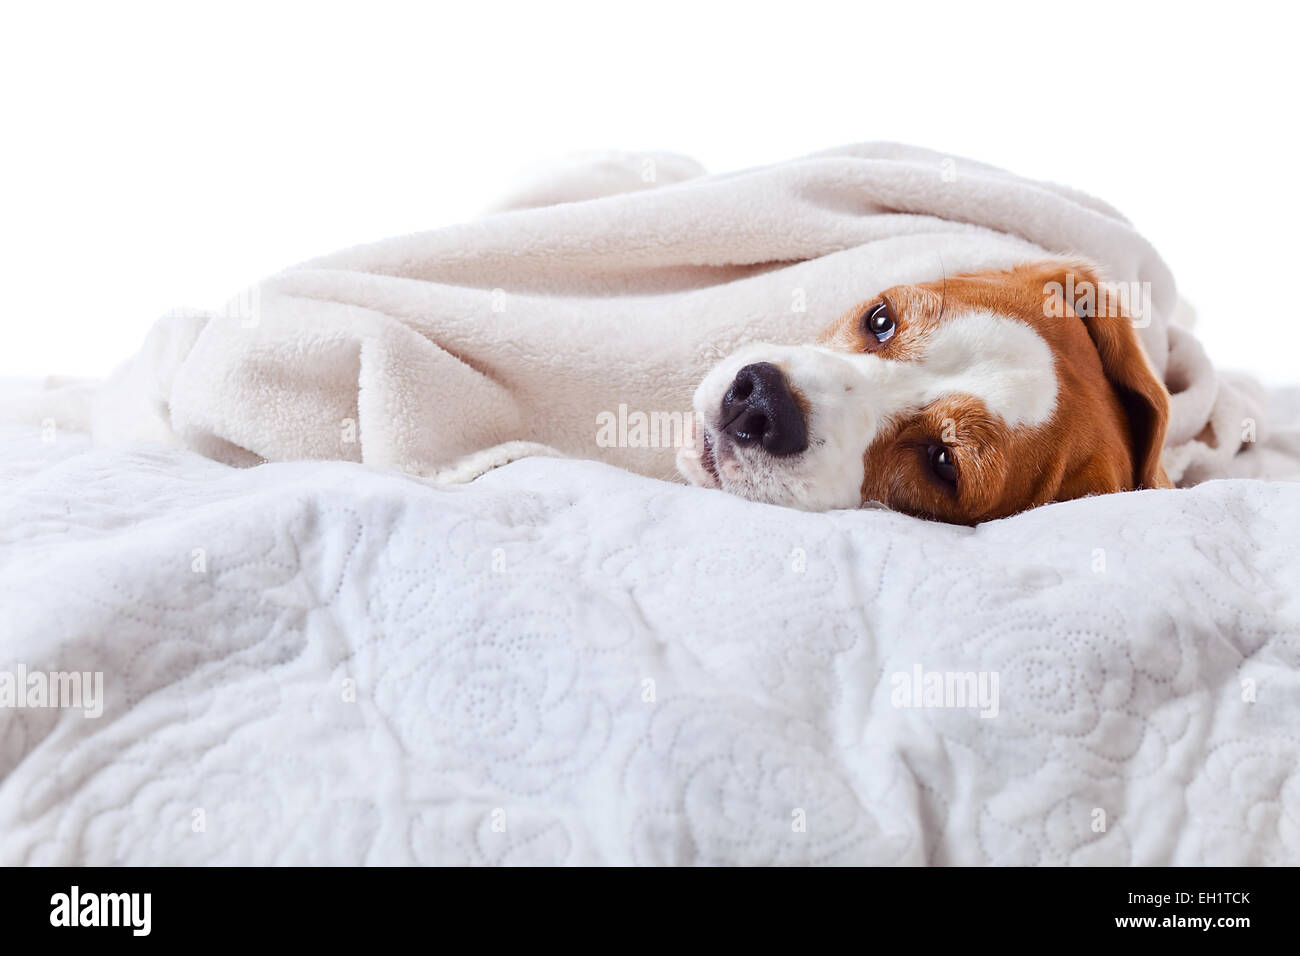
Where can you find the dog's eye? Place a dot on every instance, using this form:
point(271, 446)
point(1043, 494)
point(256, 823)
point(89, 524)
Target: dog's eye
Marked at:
point(879, 321)
point(943, 463)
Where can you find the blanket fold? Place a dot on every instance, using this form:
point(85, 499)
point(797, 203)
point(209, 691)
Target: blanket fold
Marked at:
point(521, 329)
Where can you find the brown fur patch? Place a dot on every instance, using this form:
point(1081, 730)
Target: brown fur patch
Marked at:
point(1106, 434)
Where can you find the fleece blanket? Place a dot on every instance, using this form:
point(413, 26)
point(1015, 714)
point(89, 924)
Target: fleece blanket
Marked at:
point(564, 662)
point(601, 292)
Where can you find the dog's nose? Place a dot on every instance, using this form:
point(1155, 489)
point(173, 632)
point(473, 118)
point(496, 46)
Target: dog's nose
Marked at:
point(759, 409)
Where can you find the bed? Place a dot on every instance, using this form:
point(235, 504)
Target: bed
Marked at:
point(566, 663)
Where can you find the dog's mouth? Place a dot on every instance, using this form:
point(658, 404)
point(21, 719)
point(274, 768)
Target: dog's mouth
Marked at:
point(707, 458)
point(697, 459)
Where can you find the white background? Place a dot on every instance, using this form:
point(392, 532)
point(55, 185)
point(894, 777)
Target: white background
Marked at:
point(157, 155)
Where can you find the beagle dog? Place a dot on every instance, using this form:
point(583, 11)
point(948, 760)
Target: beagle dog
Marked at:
point(970, 398)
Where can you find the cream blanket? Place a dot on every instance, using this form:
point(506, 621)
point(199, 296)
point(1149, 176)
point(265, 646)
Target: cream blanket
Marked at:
point(596, 298)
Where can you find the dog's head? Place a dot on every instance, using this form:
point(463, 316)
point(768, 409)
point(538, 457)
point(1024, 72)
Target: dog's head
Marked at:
point(965, 399)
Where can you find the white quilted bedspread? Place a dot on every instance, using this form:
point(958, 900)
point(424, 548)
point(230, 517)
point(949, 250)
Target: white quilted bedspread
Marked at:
point(565, 663)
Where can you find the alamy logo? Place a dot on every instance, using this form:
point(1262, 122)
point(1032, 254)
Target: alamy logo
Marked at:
point(636, 429)
point(955, 689)
point(1108, 300)
point(103, 909)
point(53, 689)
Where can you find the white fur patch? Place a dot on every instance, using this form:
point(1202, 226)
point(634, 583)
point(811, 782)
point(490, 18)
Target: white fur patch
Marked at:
point(1000, 361)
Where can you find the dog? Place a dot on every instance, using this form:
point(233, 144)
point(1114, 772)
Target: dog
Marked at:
point(970, 398)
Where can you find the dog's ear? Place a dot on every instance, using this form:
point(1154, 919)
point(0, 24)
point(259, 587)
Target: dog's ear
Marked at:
point(1143, 395)
point(1100, 306)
